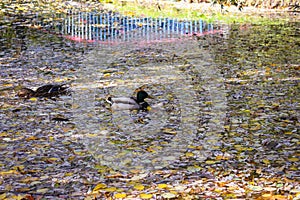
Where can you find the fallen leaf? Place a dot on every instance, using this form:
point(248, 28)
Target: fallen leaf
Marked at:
point(120, 195)
point(138, 186)
point(99, 187)
point(145, 196)
point(168, 195)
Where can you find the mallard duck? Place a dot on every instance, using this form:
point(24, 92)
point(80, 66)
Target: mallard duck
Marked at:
point(130, 103)
point(49, 90)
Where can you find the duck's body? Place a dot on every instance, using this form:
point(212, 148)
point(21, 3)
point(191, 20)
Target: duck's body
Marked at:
point(130, 103)
point(49, 90)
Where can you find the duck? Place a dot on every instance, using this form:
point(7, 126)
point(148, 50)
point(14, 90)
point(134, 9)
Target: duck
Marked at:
point(130, 103)
point(49, 90)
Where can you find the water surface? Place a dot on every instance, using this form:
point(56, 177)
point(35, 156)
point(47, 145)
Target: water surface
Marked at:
point(226, 99)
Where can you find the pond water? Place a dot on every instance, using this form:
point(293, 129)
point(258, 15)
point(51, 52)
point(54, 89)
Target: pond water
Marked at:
point(224, 96)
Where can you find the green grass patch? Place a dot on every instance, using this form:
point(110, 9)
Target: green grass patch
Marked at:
point(212, 15)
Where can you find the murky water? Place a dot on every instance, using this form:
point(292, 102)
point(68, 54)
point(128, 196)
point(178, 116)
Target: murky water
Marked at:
point(216, 94)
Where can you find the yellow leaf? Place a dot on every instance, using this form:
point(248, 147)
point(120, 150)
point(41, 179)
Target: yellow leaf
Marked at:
point(266, 196)
point(288, 133)
point(33, 99)
point(110, 189)
point(120, 195)
point(3, 196)
point(7, 85)
point(279, 197)
point(3, 134)
point(42, 190)
point(293, 159)
point(92, 135)
point(240, 147)
point(61, 79)
point(246, 111)
point(169, 131)
point(150, 149)
point(218, 189)
point(145, 196)
point(162, 186)
point(52, 159)
point(31, 138)
point(256, 128)
point(210, 162)
point(219, 157)
point(23, 189)
point(266, 161)
point(10, 172)
point(21, 8)
point(293, 167)
point(208, 102)
point(69, 174)
point(189, 154)
point(139, 186)
point(71, 158)
point(99, 187)
point(28, 180)
point(75, 106)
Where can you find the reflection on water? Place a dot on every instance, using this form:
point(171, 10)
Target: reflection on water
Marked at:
point(111, 27)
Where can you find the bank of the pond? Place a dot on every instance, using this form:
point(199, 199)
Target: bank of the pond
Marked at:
point(179, 10)
point(206, 11)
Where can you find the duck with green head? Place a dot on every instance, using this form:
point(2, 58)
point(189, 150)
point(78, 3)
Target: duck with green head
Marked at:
point(130, 103)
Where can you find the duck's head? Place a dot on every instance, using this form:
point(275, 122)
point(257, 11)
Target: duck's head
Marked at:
point(142, 95)
point(26, 93)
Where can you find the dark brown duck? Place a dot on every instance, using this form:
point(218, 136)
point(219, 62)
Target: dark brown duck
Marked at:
point(49, 90)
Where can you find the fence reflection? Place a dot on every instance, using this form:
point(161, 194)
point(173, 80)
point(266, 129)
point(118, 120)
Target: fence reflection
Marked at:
point(112, 27)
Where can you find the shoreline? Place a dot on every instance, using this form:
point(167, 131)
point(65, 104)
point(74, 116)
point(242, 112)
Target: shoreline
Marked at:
point(179, 10)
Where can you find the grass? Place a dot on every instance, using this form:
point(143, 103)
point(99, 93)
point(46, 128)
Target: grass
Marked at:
point(164, 9)
point(206, 12)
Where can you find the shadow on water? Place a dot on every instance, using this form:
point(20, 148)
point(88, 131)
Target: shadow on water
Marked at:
point(208, 82)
